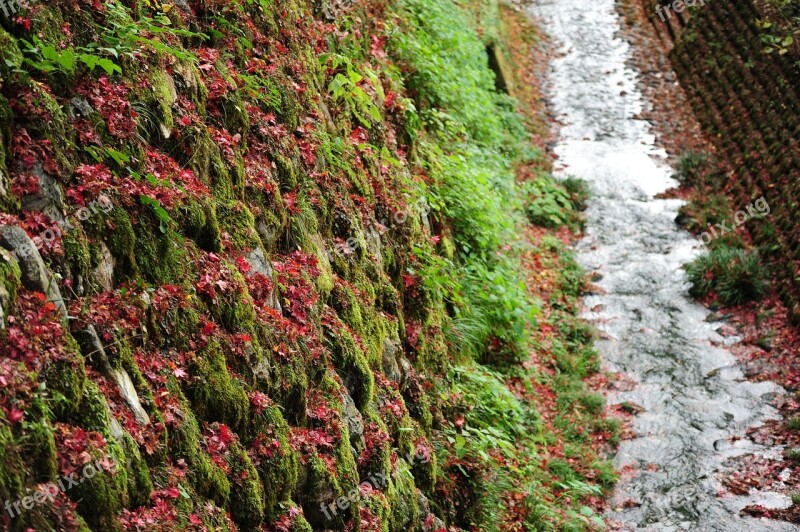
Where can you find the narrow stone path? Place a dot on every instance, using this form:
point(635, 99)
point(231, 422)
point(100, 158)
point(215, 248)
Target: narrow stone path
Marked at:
point(696, 403)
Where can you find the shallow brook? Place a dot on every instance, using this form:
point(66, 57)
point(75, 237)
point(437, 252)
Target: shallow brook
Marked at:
point(696, 404)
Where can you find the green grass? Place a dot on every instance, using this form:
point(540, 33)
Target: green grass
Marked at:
point(735, 275)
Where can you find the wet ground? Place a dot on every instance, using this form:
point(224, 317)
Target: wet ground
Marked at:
point(695, 402)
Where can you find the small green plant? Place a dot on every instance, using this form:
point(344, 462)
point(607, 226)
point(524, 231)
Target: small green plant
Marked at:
point(578, 191)
point(792, 454)
point(765, 341)
point(735, 275)
point(346, 85)
point(794, 423)
point(692, 167)
point(47, 58)
point(547, 203)
point(773, 39)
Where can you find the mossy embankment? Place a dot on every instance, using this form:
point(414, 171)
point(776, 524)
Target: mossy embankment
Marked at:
point(280, 280)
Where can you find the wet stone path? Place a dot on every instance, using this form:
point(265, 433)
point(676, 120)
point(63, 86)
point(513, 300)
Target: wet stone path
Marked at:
point(696, 403)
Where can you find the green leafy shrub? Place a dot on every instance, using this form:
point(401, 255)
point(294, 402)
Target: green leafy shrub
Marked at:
point(549, 203)
point(735, 275)
point(578, 192)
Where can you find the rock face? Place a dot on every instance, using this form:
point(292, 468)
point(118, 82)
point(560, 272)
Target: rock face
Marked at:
point(48, 199)
point(104, 271)
point(35, 275)
point(355, 424)
point(260, 264)
point(93, 349)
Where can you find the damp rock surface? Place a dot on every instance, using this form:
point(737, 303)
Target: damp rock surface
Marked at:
point(695, 403)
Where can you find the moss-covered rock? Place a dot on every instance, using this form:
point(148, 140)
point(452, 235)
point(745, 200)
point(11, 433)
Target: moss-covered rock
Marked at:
point(247, 492)
point(215, 394)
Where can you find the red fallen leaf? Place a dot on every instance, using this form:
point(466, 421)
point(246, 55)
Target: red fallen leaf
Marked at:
point(208, 329)
point(180, 373)
point(25, 22)
point(172, 493)
point(195, 520)
point(359, 135)
point(16, 415)
point(244, 266)
point(225, 435)
point(408, 280)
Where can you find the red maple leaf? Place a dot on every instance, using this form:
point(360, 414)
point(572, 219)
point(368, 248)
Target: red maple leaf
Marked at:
point(15, 415)
point(244, 266)
point(225, 435)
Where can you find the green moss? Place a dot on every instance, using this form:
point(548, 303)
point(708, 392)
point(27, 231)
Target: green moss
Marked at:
point(321, 487)
point(9, 280)
point(279, 469)
point(352, 366)
point(101, 497)
point(116, 230)
point(402, 496)
point(76, 252)
point(215, 394)
point(234, 112)
point(371, 326)
point(288, 384)
point(12, 55)
point(236, 312)
point(207, 162)
point(161, 257)
point(140, 486)
point(40, 445)
point(199, 222)
point(288, 171)
point(207, 478)
point(163, 97)
point(270, 224)
point(247, 493)
point(237, 220)
point(132, 479)
point(12, 468)
point(66, 380)
point(57, 129)
point(324, 281)
point(8, 201)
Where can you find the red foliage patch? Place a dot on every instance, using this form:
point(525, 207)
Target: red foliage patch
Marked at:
point(111, 101)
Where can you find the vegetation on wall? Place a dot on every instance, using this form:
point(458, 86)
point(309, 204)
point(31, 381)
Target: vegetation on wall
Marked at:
point(305, 303)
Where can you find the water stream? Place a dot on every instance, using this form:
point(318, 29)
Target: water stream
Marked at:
point(696, 403)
